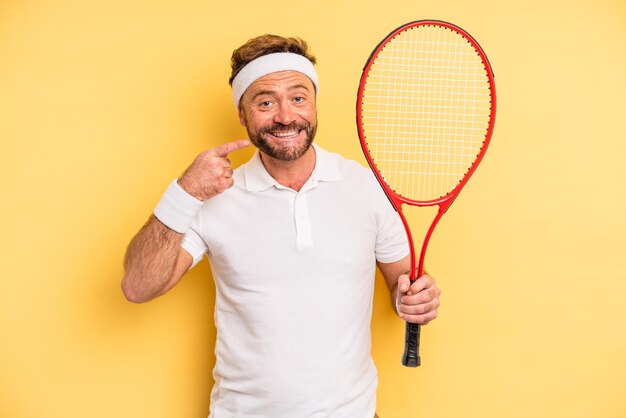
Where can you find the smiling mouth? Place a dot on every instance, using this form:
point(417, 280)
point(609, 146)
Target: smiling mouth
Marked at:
point(285, 134)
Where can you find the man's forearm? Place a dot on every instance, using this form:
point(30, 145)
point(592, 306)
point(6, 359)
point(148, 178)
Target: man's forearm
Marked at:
point(393, 297)
point(154, 259)
point(150, 260)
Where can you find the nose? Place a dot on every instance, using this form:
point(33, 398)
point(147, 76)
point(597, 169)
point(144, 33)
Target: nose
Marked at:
point(284, 113)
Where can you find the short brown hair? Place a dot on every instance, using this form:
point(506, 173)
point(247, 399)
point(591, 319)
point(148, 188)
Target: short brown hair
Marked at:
point(263, 45)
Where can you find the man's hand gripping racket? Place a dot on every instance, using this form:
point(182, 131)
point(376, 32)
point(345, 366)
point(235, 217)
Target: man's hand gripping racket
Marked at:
point(426, 109)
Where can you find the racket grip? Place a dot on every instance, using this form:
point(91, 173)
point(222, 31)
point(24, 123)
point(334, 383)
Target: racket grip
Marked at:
point(411, 356)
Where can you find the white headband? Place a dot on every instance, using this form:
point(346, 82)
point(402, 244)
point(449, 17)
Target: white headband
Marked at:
point(271, 63)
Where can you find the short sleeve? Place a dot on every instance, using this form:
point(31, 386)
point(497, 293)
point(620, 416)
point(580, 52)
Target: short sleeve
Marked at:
point(391, 240)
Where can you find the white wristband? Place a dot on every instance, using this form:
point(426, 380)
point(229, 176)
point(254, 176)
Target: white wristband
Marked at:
point(177, 208)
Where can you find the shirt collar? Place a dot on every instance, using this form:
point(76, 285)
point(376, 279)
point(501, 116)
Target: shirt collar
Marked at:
point(258, 179)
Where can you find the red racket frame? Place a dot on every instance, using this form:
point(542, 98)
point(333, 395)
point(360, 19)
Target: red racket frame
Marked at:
point(444, 202)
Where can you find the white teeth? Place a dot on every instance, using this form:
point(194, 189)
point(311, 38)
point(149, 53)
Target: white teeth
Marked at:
point(284, 134)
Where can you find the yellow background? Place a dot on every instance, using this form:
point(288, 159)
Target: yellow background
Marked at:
point(102, 103)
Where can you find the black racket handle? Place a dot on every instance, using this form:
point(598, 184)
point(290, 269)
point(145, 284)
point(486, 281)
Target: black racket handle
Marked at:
point(411, 356)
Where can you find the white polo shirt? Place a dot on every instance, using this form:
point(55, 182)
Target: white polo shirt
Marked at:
point(294, 284)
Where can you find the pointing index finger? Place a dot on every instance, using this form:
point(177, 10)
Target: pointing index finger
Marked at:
point(225, 149)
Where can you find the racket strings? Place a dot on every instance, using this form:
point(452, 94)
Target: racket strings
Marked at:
point(425, 111)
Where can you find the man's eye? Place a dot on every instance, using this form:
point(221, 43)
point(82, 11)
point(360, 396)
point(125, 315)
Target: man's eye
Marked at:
point(265, 103)
point(299, 99)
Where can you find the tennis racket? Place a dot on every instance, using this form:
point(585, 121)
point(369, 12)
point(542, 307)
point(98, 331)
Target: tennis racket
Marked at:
point(426, 109)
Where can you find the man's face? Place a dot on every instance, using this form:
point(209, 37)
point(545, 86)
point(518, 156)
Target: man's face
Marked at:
point(279, 113)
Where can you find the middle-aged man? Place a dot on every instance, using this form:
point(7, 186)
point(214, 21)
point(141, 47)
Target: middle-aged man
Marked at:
point(294, 237)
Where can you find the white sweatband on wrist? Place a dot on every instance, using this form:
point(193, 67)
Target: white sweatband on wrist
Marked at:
point(271, 63)
point(177, 208)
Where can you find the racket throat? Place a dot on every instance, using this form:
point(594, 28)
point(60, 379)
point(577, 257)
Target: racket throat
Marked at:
point(419, 269)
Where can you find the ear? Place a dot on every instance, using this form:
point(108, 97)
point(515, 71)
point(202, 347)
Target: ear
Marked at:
point(242, 118)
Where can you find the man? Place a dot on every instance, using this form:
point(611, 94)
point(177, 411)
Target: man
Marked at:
point(294, 237)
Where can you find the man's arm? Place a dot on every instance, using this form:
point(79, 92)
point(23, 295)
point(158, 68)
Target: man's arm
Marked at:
point(155, 260)
point(417, 302)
